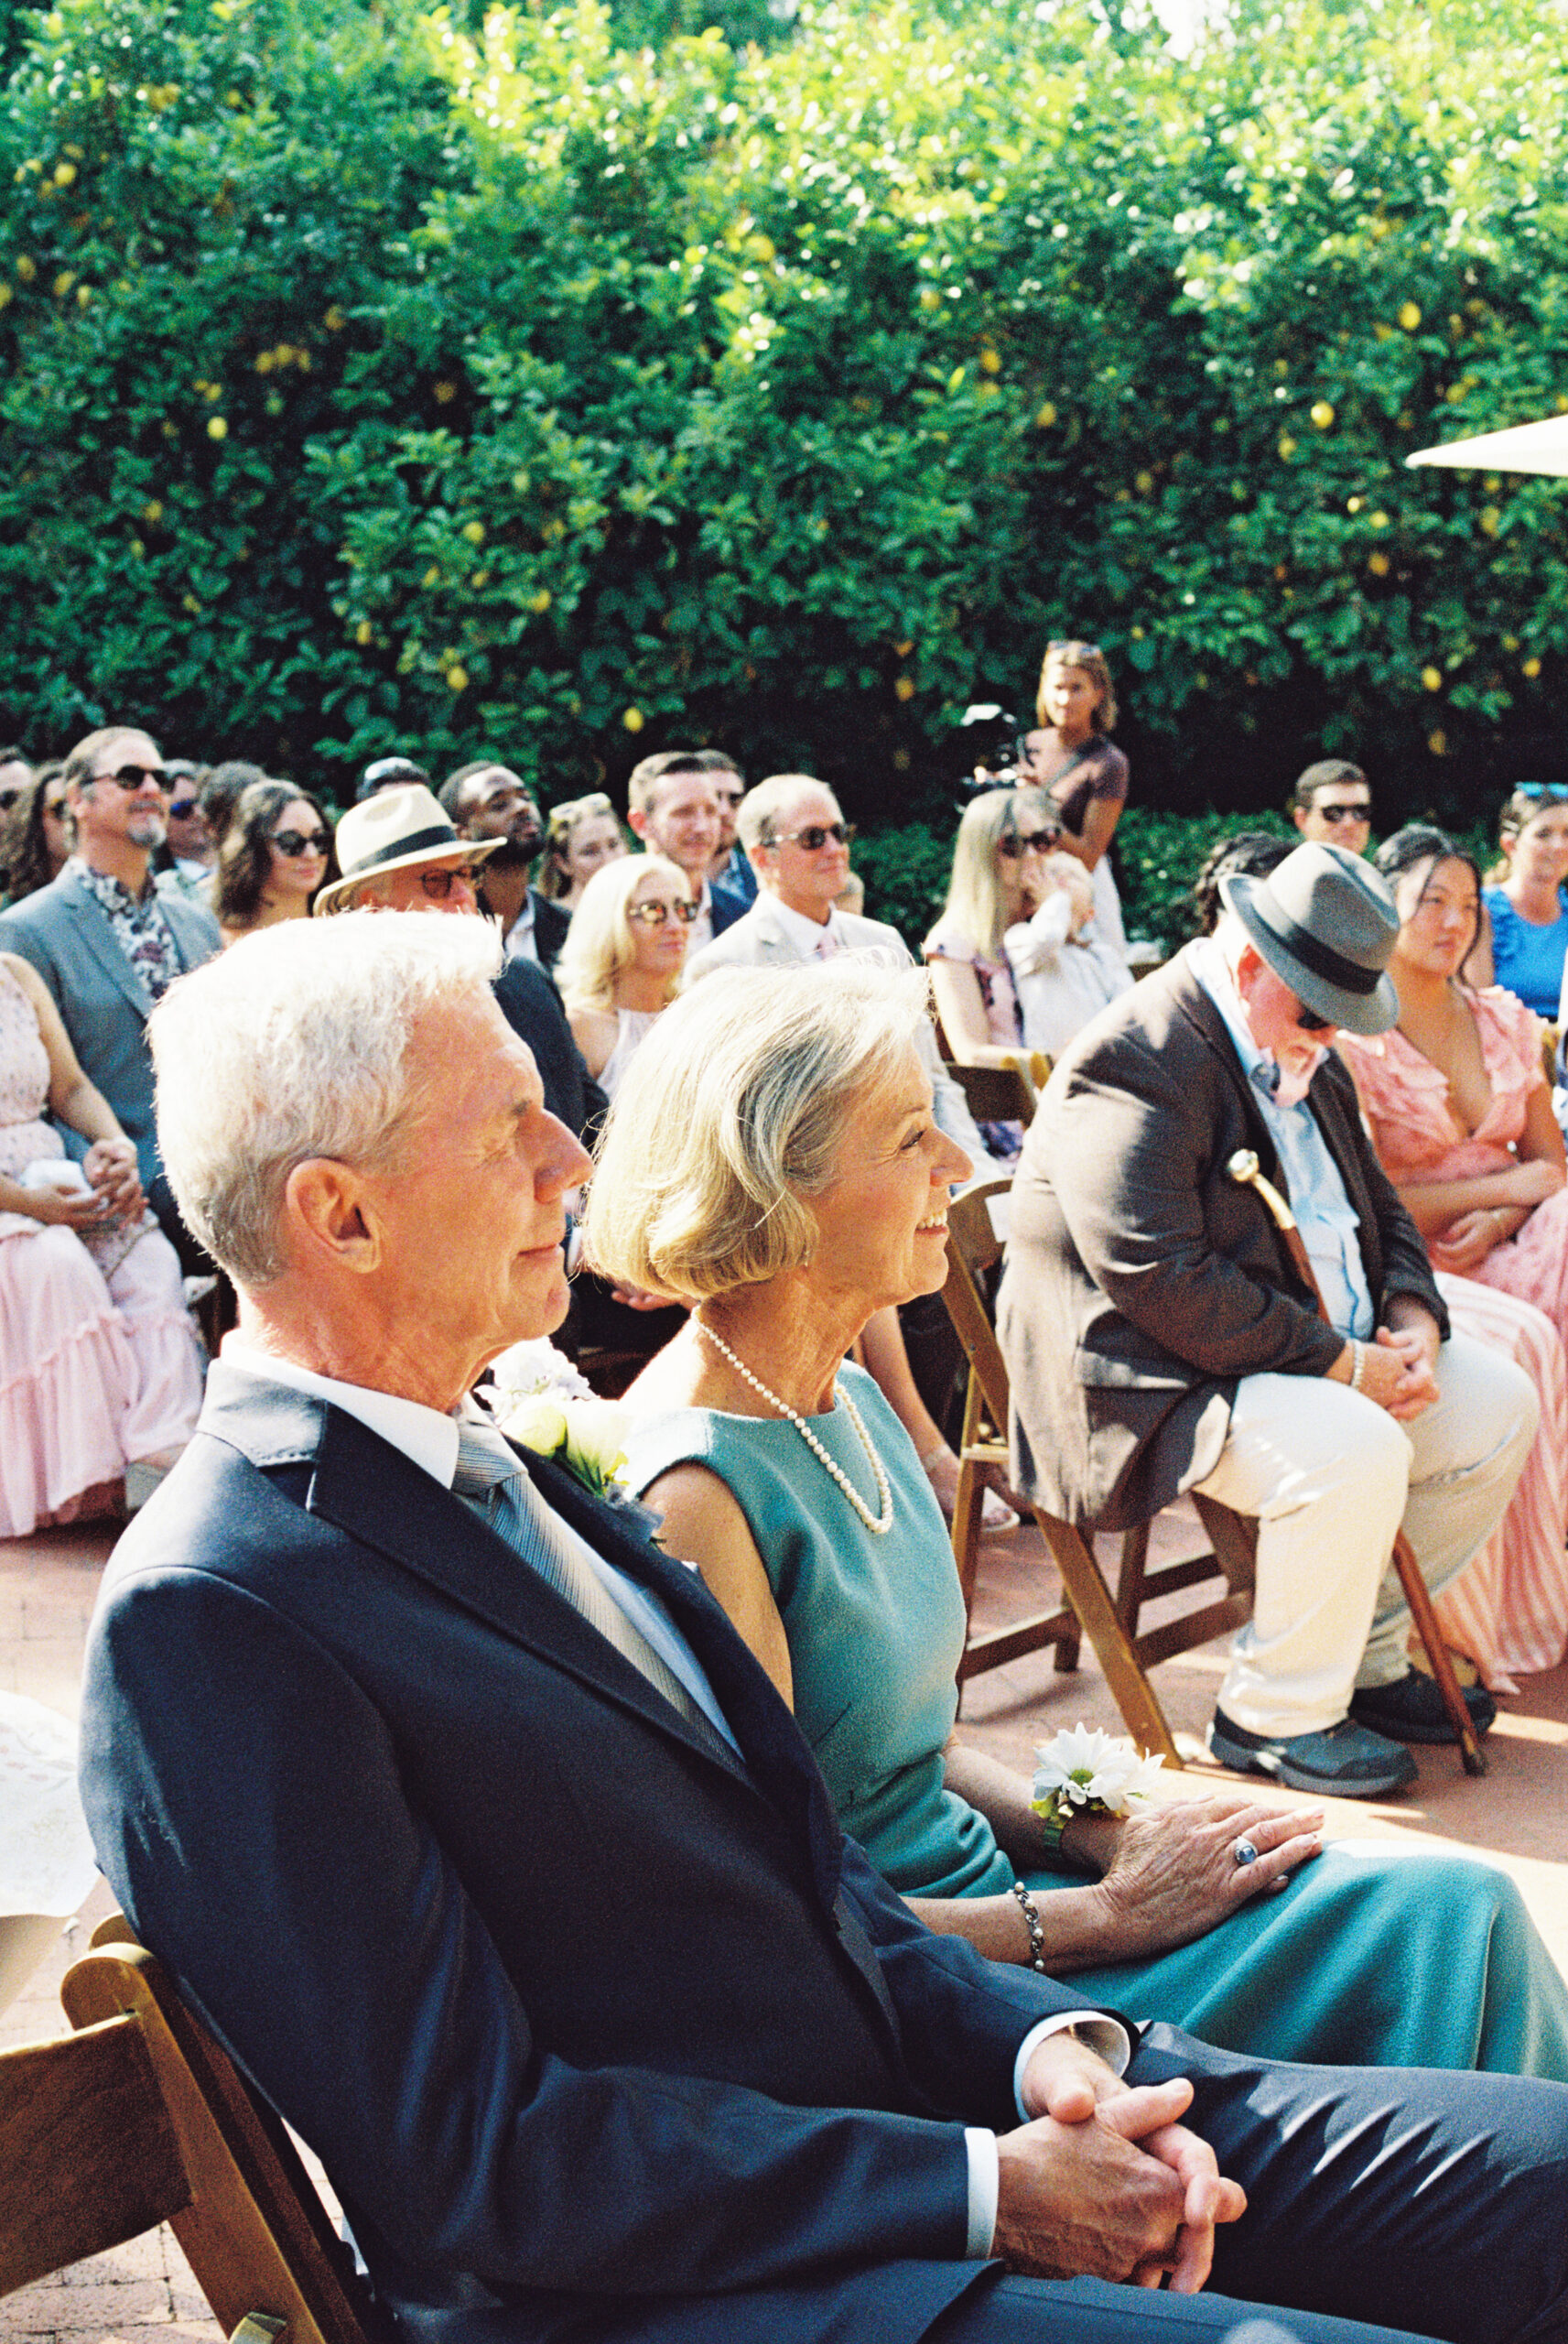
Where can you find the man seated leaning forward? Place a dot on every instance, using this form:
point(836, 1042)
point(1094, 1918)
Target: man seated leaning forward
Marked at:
point(1160, 1337)
point(462, 1815)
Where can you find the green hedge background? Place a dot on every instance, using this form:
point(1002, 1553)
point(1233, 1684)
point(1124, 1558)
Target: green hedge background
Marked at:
point(561, 384)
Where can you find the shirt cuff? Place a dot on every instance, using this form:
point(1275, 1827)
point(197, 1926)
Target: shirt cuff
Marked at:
point(984, 2184)
point(1106, 2036)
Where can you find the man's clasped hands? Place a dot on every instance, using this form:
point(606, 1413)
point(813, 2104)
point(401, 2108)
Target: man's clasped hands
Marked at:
point(1106, 2180)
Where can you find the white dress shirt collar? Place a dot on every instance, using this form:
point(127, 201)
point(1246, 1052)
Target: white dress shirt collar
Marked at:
point(809, 936)
point(426, 1436)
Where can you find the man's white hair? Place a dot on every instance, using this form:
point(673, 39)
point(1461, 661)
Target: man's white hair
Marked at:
point(293, 1044)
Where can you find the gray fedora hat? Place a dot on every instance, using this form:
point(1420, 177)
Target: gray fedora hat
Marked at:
point(1325, 922)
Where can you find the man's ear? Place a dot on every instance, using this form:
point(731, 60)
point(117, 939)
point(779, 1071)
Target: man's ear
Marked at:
point(637, 820)
point(330, 1213)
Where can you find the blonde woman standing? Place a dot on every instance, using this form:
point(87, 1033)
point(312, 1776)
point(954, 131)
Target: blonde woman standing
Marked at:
point(582, 836)
point(622, 959)
point(1083, 775)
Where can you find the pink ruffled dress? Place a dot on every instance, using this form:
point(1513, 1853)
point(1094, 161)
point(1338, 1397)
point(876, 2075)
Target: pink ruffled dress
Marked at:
point(1510, 1611)
point(99, 1363)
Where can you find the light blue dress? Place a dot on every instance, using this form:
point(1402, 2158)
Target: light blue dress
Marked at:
point(1373, 1958)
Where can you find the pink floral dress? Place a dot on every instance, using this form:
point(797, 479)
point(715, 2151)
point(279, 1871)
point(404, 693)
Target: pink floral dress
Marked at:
point(97, 1364)
point(1510, 1610)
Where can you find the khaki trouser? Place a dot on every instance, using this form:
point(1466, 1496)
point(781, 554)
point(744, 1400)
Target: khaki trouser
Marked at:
point(1330, 1477)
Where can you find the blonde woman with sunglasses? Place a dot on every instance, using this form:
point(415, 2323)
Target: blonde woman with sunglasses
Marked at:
point(999, 877)
point(622, 959)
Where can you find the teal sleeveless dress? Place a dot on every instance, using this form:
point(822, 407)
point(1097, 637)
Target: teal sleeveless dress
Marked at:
point(1370, 1956)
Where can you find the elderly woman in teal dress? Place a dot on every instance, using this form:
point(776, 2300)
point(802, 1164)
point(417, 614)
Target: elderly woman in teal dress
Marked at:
point(772, 1162)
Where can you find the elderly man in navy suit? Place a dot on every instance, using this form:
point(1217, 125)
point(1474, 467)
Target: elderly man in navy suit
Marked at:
point(474, 1831)
point(108, 943)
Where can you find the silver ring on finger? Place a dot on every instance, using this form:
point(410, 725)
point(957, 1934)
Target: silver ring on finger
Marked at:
point(1244, 1851)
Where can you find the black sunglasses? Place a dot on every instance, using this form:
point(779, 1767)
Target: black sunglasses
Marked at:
point(815, 837)
point(1017, 843)
point(1309, 1021)
point(1342, 813)
point(292, 842)
point(131, 777)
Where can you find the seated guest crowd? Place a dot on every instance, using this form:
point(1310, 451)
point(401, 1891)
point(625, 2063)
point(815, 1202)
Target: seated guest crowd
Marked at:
point(805, 2084)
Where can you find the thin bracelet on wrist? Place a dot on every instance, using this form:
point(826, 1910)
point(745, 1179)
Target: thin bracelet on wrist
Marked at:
point(1358, 1365)
point(1030, 1911)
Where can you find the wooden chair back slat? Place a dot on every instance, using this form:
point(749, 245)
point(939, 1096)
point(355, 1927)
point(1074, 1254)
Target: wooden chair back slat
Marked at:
point(254, 2230)
point(996, 1094)
point(1125, 1650)
point(88, 2155)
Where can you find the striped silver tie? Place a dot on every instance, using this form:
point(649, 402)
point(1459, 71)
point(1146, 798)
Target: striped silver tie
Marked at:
point(490, 1480)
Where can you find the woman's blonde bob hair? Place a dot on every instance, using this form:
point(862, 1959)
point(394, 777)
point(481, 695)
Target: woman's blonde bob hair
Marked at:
point(599, 945)
point(733, 1116)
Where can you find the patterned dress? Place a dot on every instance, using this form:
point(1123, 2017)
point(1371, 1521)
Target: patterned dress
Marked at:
point(98, 1365)
point(1510, 1610)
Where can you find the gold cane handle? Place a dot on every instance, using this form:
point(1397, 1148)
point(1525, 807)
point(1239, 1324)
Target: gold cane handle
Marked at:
point(1245, 1169)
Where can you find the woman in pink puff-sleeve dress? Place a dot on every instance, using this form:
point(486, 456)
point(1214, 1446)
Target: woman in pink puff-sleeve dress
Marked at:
point(99, 1363)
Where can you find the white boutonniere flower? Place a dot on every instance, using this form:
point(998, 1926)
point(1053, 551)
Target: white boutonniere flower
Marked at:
point(585, 1435)
point(1084, 1771)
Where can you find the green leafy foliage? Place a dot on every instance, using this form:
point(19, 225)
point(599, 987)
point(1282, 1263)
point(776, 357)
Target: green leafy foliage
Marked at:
point(483, 380)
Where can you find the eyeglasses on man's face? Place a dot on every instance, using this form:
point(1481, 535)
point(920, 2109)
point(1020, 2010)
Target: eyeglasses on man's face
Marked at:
point(132, 777)
point(295, 842)
point(815, 837)
point(1341, 810)
point(660, 915)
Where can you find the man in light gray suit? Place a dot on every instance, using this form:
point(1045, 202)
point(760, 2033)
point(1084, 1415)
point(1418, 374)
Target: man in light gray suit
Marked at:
point(798, 843)
point(108, 944)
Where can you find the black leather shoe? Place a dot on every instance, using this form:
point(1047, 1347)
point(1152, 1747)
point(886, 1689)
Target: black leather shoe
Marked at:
point(1346, 1760)
point(1411, 1710)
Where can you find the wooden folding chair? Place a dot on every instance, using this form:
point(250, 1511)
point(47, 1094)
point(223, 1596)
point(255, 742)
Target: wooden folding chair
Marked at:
point(1125, 1651)
point(997, 1094)
point(138, 2118)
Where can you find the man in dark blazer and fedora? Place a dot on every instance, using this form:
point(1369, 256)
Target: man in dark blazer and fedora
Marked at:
point(467, 1821)
point(1160, 1337)
point(107, 942)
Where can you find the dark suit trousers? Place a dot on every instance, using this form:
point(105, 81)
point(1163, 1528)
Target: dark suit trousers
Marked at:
point(1415, 2201)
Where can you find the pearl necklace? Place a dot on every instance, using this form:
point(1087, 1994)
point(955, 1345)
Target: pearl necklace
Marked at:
point(880, 1523)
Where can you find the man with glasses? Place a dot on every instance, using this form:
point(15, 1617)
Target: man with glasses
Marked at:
point(399, 850)
point(1332, 803)
point(108, 943)
point(490, 802)
point(1160, 1338)
point(673, 806)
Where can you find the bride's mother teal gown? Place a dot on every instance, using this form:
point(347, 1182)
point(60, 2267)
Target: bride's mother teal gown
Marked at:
point(1368, 1956)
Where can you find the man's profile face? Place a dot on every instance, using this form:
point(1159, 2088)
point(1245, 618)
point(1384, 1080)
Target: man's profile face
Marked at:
point(804, 877)
point(471, 1214)
point(110, 814)
point(683, 821)
point(1340, 815)
point(497, 805)
point(1274, 1017)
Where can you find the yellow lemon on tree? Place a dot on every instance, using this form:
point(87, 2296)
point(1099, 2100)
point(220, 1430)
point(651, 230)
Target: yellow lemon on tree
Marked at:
point(1410, 317)
point(1432, 679)
point(632, 719)
point(456, 679)
point(1322, 414)
point(1531, 668)
point(216, 428)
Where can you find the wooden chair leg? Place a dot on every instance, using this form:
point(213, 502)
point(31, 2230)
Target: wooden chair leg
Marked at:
point(1091, 1599)
point(1129, 1579)
point(968, 1499)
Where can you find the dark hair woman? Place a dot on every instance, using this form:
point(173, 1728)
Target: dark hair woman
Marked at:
point(275, 857)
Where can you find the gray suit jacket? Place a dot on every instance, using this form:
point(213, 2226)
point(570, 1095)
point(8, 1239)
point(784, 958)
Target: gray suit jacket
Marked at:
point(66, 935)
point(1141, 1283)
point(761, 940)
